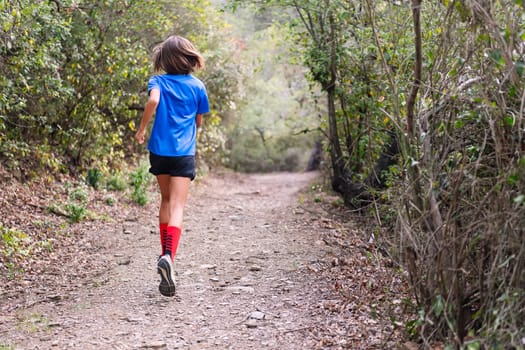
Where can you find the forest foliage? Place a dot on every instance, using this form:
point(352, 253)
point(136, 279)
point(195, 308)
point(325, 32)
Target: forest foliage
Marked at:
point(420, 106)
point(424, 127)
point(74, 76)
point(460, 215)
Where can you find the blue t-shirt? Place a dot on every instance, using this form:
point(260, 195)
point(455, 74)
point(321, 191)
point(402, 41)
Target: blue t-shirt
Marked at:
point(174, 131)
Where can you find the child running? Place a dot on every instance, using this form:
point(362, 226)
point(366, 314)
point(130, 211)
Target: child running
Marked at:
point(178, 101)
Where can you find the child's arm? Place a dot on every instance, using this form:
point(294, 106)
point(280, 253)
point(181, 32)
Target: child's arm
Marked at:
point(198, 120)
point(149, 109)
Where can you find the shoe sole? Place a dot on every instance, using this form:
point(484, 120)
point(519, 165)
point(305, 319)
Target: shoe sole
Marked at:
point(167, 285)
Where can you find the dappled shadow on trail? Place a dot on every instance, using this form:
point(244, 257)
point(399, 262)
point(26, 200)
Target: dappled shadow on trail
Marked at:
point(260, 265)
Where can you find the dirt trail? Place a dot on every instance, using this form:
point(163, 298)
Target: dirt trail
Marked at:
point(245, 280)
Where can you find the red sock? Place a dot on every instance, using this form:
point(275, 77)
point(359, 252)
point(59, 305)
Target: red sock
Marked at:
point(163, 233)
point(172, 240)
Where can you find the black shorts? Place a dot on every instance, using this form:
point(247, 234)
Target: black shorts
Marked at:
point(183, 166)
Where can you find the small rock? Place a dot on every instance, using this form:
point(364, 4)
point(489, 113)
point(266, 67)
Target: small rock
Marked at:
point(127, 232)
point(208, 267)
point(239, 289)
point(123, 262)
point(255, 268)
point(155, 345)
point(54, 297)
point(257, 315)
point(251, 323)
point(134, 319)
point(214, 279)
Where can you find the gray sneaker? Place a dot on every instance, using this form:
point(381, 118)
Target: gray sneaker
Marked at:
point(167, 278)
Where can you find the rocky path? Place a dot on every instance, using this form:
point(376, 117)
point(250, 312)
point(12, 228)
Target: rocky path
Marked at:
point(249, 277)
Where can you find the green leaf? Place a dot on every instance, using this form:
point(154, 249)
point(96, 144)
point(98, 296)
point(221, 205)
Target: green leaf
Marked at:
point(513, 179)
point(438, 305)
point(510, 120)
point(474, 345)
point(497, 57)
point(412, 326)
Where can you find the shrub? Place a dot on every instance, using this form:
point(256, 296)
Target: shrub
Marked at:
point(140, 180)
point(94, 177)
point(116, 182)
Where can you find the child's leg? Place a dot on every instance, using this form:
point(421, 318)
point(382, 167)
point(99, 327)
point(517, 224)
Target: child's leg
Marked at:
point(163, 229)
point(164, 210)
point(174, 191)
point(178, 189)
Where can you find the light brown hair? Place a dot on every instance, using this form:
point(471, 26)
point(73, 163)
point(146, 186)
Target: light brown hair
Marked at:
point(176, 55)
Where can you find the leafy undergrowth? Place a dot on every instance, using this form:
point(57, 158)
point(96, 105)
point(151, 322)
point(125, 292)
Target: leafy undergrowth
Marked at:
point(41, 233)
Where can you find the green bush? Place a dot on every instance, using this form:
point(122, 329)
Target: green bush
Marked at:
point(94, 177)
point(78, 195)
point(13, 242)
point(75, 212)
point(116, 182)
point(73, 78)
point(76, 207)
point(140, 180)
